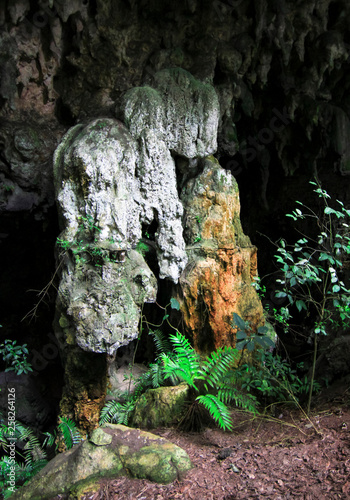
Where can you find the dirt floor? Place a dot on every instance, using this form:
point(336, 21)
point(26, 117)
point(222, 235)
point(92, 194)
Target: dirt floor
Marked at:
point(275, 457)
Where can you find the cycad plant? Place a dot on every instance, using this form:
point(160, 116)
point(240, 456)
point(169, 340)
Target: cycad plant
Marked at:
point(212, 378)
point(118, 412)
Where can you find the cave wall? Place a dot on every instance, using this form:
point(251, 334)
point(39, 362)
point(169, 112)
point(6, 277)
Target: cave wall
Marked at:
point(280, 69)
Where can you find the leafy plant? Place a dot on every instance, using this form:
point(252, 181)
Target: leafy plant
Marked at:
point(120, 412)
point(274, 379)
point(30, 455)
point(15, 357)
point(27, 459)
point(247, 338)
point(69, 432)
point(214, 374)
point(311, 270)
point(212, 379)
point(85, 248)
point(116, 412)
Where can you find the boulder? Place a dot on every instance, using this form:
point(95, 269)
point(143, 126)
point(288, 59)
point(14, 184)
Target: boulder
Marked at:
point(111, 451)
point(160, 407)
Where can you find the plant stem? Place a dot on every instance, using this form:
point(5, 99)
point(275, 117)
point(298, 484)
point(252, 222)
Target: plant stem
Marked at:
point(312, 375)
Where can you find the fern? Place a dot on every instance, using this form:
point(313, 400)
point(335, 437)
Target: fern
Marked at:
point(34, 457)
point(229, 394)
point(161, 342)
point(68, 429)
point(117, 413)
point(215, 372)
point(186, 364)
point(217, 364)
point(217, 409)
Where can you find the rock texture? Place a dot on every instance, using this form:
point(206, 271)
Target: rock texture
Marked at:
point(65, 61)
point(108, 183)
point(161, 407)
point(222, 262)
point(114, 450)
point(104, 282)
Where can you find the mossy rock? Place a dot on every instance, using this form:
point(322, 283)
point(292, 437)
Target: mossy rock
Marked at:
point(126, 452)
point(160, 407)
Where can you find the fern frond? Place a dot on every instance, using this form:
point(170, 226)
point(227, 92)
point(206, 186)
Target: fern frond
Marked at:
point(217, 364)
point(69, 431)
point(49, 440)
point(231, 394)
point(117, 413)
point(217, 409)
point(186, 357)
point(161, 341)
point(181, 345)
point(37, 466)
point(180, 368)
point(156, 375)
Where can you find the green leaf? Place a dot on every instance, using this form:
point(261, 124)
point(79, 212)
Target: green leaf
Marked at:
point(265, 342)
point(240, 345)
point(217, 409)
point(174, 304)
point(250, 346)
point(241, 335)
point(300, 305)
point(237, 320)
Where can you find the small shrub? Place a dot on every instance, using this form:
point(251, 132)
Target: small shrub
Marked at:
point(15, 357)
point(311, 270)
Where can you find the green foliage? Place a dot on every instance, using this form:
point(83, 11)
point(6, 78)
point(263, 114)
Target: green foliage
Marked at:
point(274, 379)
point(247, 338)
point(280, 316)
point(117, 413)
point(120, 412)
point(85, 249)
point(311, 270)
point(142, 248)
point(70, 434)
point(215, 375)
point(15, 357)
point(28, 458)
point(30, 454)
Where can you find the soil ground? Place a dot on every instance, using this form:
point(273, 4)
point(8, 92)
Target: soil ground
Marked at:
point(285, 456)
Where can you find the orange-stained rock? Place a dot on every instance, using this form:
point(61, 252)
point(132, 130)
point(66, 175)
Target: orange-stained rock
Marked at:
point(222, 262)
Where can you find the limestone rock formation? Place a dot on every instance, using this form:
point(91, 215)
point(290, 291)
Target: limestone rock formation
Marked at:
point(222, 262)
point(108, 183)
point(183, 112)
point(111, 451)
point(104, 282)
